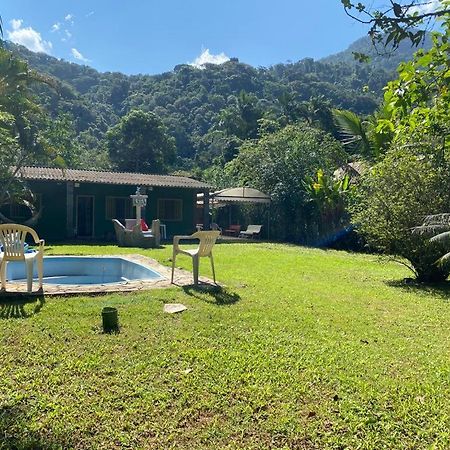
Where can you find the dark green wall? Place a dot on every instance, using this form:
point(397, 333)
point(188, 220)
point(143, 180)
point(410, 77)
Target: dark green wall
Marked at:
point(53, 223)
point(189, 197)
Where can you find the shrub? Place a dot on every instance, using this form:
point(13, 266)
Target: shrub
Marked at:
point(410, 183)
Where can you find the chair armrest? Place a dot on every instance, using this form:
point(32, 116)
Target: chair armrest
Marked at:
point(41, 245)
point(40, 242)
point(177, 239)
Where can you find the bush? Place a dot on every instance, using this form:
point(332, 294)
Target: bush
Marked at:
point(408, 184)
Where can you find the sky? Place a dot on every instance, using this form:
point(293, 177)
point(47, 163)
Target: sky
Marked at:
point(150, 36)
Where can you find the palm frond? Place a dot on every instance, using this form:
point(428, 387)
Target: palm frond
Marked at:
point(348, 122)
point(429, 229)
point(352, 129)
point(437, 219)
point(444, 260)
point(441, 238)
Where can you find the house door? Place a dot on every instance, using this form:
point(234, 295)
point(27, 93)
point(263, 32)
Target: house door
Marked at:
point(85, 216)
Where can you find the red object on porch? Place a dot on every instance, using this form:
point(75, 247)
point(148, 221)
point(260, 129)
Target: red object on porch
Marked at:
point(233, 230)
point(144, 226)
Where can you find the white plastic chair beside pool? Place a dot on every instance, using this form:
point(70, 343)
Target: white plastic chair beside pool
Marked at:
point(12, 240)
point(207, 240)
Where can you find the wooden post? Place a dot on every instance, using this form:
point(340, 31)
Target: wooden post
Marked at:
point(69, 209)
point(138, 214)
point(206, 218)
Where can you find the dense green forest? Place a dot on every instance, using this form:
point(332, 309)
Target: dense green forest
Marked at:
point(210, 111)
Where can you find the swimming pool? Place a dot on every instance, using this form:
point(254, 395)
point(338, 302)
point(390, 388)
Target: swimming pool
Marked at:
point(85, 270)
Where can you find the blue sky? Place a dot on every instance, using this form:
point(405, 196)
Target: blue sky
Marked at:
point(149, 36)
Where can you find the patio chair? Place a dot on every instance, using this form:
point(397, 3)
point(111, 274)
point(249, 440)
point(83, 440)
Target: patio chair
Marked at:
point(12, 240)
point(232, 230)
point(207, 239)
point(252, 231)
point(215, 227)
point(136, 237)
point(130, 223)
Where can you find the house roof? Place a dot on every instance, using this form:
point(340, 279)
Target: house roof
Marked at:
point(100, 177)
point(353, 169)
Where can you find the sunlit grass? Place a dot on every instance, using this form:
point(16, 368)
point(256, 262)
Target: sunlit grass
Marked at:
point(303, 348)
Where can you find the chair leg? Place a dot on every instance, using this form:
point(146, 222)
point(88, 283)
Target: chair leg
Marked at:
point(195, 265)
point(174, 257)
point(29, 263)
point(40, 269)
point(212, 267)
point(3, 274)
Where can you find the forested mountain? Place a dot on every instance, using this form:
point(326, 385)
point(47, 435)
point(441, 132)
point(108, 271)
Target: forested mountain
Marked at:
point(209, 111)
point(379, 57)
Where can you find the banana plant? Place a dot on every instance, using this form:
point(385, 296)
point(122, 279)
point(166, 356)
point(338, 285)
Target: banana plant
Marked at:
point(329, 195)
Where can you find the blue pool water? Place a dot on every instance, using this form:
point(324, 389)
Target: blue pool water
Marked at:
point(84, 270)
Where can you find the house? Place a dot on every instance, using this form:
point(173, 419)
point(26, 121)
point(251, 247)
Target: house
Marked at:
point(81, 203)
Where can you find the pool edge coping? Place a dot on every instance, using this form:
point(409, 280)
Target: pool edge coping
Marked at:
point(181, 278)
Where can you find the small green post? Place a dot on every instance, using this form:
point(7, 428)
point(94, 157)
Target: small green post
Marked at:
point(110, 320)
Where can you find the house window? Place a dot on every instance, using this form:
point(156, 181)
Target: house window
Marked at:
point(170, 210)
point(18, 211)
point(119, 208)
point(21, 211)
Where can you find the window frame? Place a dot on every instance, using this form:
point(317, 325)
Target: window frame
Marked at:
point(178, 201)
point(12, 215)
point(128, 209)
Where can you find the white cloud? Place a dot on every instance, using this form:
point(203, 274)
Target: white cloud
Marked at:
point(89, 14)
point(69, 18)
point(68, 35)
point(208, 58)
point(426, 7)
point(77, 55)
point(55, 27)
point(28, 37)
point(16, 23)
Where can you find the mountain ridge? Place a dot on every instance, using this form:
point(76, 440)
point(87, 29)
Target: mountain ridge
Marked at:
point(195, 103)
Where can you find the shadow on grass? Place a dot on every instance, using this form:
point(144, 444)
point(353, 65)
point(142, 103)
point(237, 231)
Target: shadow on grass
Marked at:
point(216, 295)
point(437, 290)
point(13, 307)
point(16, 435)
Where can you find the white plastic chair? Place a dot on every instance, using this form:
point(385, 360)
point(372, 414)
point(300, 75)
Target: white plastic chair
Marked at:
point(207, 240)
point(12, 239)
point(251, 231)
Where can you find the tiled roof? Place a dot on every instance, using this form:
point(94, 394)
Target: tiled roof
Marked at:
point(96, 176)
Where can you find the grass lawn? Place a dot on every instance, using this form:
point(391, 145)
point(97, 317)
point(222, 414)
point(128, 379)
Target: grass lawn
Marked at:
point(304, 349)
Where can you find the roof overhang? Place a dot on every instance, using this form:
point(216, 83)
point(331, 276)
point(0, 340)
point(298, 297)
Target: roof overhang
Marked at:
point(113, 178)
